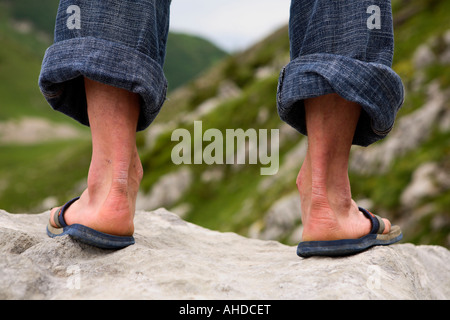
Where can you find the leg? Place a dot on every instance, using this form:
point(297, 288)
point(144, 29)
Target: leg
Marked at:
point(333, 51)
point(115, 172)
point(337, 58)
point(108, 74)
point(328, 211)
point(119, 43)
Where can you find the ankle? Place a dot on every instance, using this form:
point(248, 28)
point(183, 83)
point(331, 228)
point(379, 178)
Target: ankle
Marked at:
point(335, 197)
point(320, 221)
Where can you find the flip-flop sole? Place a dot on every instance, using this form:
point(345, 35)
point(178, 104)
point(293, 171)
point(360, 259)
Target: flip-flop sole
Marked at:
point(90, 236)
point(337, 248)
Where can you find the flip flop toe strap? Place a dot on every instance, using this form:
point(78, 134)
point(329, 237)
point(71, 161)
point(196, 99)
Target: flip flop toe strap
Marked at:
point(381, 224)
point(378, 225)
point(58, 217)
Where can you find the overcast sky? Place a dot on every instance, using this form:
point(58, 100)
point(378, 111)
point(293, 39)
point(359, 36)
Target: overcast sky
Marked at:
point(230, 24)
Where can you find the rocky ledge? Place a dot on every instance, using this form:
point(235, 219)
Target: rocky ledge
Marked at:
point(174, 259)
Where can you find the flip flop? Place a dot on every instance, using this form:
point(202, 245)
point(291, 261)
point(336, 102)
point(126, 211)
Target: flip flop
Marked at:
point(85, 234)
point(336, 248)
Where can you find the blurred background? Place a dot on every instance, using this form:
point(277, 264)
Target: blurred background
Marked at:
point(223, 61)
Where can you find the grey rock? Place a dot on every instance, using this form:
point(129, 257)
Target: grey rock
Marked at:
point(408, 133)
point(174, 259)
point(423, 56)
point(166, 191)
point(281, 218)
point(429, 179)
point(30, 130)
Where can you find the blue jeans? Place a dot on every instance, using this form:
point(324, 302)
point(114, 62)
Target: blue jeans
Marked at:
point(336, 47)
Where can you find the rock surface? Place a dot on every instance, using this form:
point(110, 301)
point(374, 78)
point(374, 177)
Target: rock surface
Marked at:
point(174, 259)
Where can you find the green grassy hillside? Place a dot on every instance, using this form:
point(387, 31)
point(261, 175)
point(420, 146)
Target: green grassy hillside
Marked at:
point(30, 173)
point(21, 55)
point(42, 13)
point(187, 56)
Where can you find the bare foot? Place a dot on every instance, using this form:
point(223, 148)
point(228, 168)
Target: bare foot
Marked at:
point(115, 172)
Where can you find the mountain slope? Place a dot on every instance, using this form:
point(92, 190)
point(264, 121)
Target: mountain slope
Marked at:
point(187, 56)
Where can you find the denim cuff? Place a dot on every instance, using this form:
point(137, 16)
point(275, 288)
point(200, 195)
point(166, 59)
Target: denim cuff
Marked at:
point(374, 86)
point(66, 62)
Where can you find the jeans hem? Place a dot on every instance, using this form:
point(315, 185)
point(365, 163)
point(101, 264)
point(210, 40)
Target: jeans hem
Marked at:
point(374, 86)
point(66, 63)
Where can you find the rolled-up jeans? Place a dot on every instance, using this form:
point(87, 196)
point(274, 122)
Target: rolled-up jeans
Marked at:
point(337, 46)
point(344, 47)
point(120, 43)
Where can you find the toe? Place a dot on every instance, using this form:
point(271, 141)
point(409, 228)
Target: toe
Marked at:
point(52, 217)
point(387, 226)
